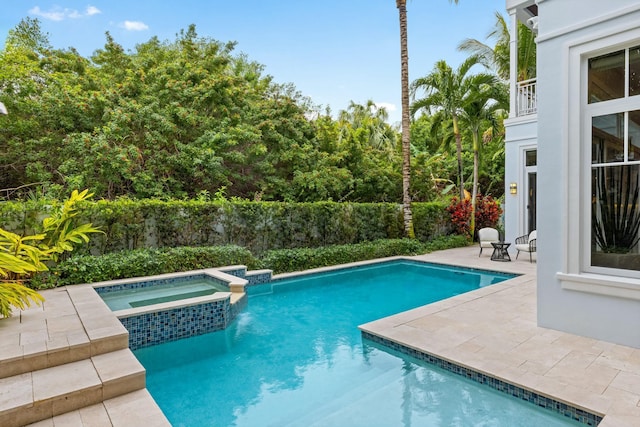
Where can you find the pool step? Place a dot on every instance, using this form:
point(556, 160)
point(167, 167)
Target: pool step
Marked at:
point(45, 393)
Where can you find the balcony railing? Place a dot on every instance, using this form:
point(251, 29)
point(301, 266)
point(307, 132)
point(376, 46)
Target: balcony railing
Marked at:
point(526, 98)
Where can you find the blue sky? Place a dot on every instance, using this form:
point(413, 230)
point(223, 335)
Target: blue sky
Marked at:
point(333, 51)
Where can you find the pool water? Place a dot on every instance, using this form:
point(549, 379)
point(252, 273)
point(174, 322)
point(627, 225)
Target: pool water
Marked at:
point(295, 357)
point(188, 287)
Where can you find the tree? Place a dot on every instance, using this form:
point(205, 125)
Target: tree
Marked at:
point(446, 92)
point(497, 58)
point(373, 120)
point(406, 120)
point(478, 110)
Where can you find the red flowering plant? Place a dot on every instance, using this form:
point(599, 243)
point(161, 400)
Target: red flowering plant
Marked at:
point(488, 212)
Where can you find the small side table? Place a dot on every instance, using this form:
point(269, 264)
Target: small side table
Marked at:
point(500, 251)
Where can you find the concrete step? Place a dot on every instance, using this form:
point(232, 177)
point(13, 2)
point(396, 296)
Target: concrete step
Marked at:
point(59, 331)
point(132, 409)
point(42, 394)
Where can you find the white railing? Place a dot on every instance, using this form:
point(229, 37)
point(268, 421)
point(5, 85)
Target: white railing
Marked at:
point(526, 98)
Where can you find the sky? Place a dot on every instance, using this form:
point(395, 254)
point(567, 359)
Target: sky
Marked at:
point(333, 51)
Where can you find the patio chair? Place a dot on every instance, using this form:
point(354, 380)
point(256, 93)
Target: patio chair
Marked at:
point(526, 243)
point(486, 236)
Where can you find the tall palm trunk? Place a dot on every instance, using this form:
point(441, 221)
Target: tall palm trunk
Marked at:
point(406, 123)
point(474, 192)
point(456, 132)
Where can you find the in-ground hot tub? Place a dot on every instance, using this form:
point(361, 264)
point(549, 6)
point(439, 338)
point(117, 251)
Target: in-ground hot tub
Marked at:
point(161, 291)
point(168, 307)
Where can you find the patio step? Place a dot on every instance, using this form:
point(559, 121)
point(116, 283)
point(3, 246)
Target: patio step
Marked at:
point(58, 332)
point(42, 394)
point(132, 409)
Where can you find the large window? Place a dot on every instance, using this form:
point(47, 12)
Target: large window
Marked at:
point(613, 82)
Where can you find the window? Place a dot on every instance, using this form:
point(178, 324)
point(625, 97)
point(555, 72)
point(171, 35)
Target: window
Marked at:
point(614, 113)
point(530, 157)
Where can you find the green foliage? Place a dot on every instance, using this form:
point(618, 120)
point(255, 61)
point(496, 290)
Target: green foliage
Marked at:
point(287, 260)
point(184, 119)
point(258, 226)
point(15, 294)
point(147, 262)
point(21, 257)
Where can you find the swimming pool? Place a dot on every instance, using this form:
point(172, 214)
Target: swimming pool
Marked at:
point(295, 357)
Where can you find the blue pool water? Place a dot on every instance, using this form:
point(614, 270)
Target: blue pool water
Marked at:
point(295, 357)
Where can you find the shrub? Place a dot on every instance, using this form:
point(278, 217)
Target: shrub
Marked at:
point(24, 258)
point(287, 260)
point(487, 213)
point(258, 226)
point(147, 262)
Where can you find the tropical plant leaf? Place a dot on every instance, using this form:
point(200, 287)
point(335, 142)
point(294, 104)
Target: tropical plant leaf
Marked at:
point(17, 295)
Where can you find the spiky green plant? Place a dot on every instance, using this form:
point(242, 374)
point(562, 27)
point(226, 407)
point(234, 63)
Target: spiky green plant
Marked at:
point(616, 213)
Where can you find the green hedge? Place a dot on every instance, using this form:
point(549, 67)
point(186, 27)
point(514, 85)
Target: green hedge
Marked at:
point(287, 260)
point(145, 262)
point(258, 226)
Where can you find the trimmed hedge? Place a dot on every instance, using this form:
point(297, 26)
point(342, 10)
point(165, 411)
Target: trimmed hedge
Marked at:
point(147, 262)
point(258, 226)
point(287, 260)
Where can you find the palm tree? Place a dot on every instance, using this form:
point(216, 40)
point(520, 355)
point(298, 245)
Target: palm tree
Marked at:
point(497, 58)
point(447, 91)
point(481, 108)
point(406, 119)
point(371, 118)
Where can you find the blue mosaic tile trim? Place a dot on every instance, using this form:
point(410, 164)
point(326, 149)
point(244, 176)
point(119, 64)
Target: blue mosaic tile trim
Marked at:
point(568, 411)
point(258, 278)
point(169, 325)
point(101, 290)
point(240, 272)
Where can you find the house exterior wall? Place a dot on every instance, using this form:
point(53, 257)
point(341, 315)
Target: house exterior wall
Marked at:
point(521, 135)
point(570, 298)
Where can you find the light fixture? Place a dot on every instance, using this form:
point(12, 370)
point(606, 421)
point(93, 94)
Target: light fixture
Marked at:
point(513, 188)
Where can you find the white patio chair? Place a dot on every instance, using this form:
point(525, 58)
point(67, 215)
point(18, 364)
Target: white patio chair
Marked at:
point(486, 236)
point(526, 243)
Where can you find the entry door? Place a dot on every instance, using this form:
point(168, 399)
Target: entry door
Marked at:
point(531, 202)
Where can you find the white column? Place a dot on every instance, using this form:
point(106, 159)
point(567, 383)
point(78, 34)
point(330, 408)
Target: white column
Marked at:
point(513, 63)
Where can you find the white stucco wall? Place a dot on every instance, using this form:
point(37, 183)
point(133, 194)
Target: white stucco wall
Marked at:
point(566, 27)
point(521, 134)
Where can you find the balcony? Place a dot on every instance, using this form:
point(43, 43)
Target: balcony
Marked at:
point(526, 98)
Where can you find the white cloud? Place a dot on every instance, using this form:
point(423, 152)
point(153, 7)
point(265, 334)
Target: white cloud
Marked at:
point(92, 10)
point(387, 106)
point(134, 26)
point(59, 14)
point(56, 15)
